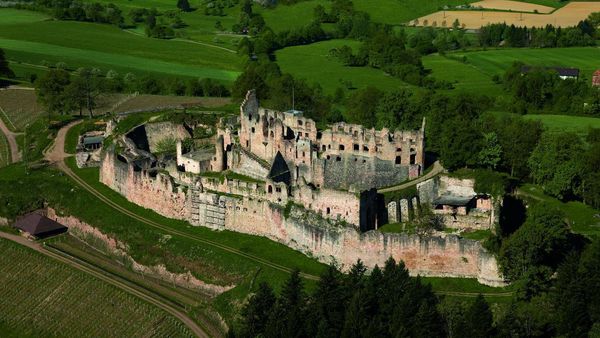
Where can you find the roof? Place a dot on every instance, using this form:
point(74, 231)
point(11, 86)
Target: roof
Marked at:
point(92, 140)
point(280, 172)
point(570, 72)
point(295, 112)
point(453, 200)
point(38, 225)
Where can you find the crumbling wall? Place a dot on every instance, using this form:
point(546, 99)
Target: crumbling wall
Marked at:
point(161, 131)
point(358, 172)
point(157, 193)
point(448, 256)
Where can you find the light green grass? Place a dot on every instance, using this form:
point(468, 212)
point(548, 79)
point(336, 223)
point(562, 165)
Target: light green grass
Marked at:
point(497, 61)
point(566, 123)
point(396, 12)
point(313, 63)
point(475, 75)
point(111, 48)
point(560, 123)
point(42, 297)
point(464, 77)
point(296, 16)
point(9, 16)
point(581, 218)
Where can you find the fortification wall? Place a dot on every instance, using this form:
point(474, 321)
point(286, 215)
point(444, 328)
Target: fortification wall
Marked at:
point(449, 256)
point(157, 193)
point(330, 203)
point(346, 171)
point(306, 231)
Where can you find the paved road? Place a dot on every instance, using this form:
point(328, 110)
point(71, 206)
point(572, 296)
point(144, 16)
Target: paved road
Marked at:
point(15, 154)
point(95, 272)
point(437, 168)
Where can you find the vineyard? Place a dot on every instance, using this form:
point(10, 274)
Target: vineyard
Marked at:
point(41, 297)
point(4, 151)
point(19, 108)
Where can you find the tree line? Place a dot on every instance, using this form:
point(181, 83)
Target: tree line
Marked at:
point(62, 92)
point(501, 34)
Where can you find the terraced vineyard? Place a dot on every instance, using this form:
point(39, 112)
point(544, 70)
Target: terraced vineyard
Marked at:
point(41, 297)
point(4, 151)
point(18, 108)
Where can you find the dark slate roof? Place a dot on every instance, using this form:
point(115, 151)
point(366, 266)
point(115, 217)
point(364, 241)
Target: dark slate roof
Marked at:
point(36, 224)
point(571, 72)
point(92, 140)
point(280, 172)
point(453, 200)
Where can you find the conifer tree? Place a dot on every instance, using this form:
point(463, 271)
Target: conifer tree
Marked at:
point(479, 319)
point(257, 312)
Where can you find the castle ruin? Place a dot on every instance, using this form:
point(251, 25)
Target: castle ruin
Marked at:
point(274, 174)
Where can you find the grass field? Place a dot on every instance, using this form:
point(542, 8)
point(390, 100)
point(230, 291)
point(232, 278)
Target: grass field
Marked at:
point(582, 218)
point(313, 63)
point(108, 47)
point(561, 123)
point(476, 73)
point(41, 297)
point(464, 77)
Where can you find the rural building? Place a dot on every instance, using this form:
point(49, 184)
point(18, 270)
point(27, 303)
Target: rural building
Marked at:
point(596, 78)
point(92, 142)
point(563, 73)
point(39, 226)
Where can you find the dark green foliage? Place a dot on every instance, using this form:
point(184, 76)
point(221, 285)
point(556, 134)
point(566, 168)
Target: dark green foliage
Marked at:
point(256, 311)
point(511, 36)
point(4, 68)
point(387, 303)
point(479, 319)
point(363, 107)
point(184, 5)
point(81, 11)
point(535, 248)
point(556, 164)
point(51, 88)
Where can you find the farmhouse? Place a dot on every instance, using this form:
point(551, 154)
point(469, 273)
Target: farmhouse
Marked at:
point(596, 78)
point(39, 226)
point(563, 73)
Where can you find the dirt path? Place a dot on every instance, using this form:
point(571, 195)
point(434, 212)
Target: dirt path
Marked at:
point(15, 154)
point(99, 274)
point(437, 168)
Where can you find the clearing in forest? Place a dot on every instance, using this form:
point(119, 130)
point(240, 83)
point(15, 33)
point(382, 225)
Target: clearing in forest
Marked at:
point(567, 16)
point(508, 5)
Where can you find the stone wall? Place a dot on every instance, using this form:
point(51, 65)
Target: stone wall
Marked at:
point(160, 131)
point(157, 193)
point(304, 230)
point(357, 172)
point(448, 256)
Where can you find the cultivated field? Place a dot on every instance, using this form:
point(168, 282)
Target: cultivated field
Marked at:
point(313, 63)
point(4, 151)
point(152, 102)
point(41, 297)
point(566, 16)
point(508, 5)
point(18, 108)
point(107, 47)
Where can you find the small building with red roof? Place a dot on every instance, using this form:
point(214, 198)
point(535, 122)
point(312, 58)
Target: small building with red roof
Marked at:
point(596, 78)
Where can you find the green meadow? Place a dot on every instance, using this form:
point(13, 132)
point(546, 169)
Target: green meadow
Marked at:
point(313, 63)
point(473, 71)
point(562, 123)
point(107, 47)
